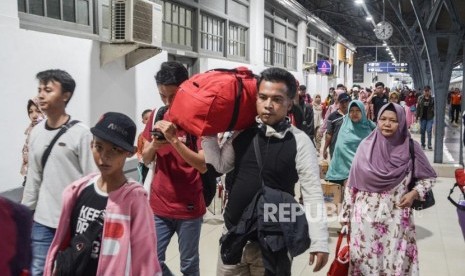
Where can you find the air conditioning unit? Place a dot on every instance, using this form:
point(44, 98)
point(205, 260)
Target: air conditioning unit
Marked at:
point(310, 56)
point(136, 21)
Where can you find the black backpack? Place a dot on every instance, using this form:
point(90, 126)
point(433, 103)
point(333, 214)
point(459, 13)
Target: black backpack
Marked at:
point(210, 176)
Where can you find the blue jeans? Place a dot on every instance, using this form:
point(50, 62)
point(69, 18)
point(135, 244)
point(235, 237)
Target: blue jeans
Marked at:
point(426, 125)
point(188, 231)
point(42, 237)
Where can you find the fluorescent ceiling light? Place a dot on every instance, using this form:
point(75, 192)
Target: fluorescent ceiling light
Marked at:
point(358, 2)
point(368, 18)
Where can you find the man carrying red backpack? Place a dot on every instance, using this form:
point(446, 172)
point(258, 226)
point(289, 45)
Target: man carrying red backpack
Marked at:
point(176, 192)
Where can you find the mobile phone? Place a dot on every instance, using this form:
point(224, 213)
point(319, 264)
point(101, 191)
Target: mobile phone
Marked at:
point(158, 134)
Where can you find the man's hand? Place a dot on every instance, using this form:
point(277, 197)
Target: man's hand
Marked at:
point(321, 260)
point(168, 129)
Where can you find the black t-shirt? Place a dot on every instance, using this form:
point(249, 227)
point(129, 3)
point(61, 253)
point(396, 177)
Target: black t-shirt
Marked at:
point(88, 206)
point(426, 103)
point(378, 102)
point(335, 120)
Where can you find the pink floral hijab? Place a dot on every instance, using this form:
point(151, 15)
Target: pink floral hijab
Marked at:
point(381, 163)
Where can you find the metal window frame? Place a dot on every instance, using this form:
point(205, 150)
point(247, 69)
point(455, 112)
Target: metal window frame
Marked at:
point(192, 29)
point(287, 42)
point(59, 26)
point(238, 42)
point(203, 33)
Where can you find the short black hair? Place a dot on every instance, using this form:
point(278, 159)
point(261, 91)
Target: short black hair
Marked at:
point(340, 85)
point(379, 84)
point(64, 78)
point(145, 112)
point(171, 73)
point(427, 87)
point(275, 74)
point(302, 87)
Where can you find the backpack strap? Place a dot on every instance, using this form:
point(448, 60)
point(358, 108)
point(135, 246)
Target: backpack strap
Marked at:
point(62, 131)
point(237, 101)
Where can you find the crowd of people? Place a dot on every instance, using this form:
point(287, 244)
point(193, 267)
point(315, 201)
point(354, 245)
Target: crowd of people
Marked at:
point(90, 219)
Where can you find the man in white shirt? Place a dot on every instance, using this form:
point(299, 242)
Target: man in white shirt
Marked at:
point(69, 159)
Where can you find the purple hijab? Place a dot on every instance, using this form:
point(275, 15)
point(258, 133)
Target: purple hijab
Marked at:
point(381, 163)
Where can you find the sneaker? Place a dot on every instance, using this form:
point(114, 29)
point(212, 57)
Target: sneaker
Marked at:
point(430, 147)
point(423, 147)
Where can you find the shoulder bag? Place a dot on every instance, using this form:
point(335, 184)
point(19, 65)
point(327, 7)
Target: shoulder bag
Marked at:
point(73, 260)
point(429, 197)
point(62, 131)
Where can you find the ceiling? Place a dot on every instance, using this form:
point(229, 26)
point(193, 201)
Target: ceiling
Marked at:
point(439, 20)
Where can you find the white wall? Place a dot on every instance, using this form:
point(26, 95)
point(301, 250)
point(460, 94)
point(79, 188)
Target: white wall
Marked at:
point(23, 53)
point(98, 90)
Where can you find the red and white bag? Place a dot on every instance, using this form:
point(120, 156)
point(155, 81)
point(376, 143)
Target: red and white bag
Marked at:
point(216, 101)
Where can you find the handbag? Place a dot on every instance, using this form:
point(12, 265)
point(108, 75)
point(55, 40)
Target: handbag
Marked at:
point(73, 260)
point(340, 264)
point(413, 108)
point(429, 197)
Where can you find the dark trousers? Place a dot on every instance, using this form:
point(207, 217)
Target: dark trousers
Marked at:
point(455, 112)
point(276, 263)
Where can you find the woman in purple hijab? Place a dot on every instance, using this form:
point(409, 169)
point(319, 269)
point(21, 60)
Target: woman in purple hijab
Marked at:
point(377, 201)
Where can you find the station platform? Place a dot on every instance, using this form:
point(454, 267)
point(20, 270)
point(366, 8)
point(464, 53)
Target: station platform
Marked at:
point(441, 245)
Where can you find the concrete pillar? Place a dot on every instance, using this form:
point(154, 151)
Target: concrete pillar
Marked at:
point(256, 31)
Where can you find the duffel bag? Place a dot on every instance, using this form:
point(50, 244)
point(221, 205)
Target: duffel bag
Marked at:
point(216, 101)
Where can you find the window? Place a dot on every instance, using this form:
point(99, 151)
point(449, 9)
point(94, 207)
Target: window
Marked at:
point(279, 53)
point(75, 11)
point(207, 27)
point(211, 34)
point(237, 40)
point(267, 49)
point(291, 56)
point(177, 25)
point(322, 44)
point(280, 47)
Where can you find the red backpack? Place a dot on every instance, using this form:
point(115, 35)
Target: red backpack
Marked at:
point(216, 101)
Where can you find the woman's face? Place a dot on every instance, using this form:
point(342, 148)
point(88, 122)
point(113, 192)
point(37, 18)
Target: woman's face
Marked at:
point(394, 99)
point(388, 123)
point(318, 99)
point(355, 114)
point(34, 114)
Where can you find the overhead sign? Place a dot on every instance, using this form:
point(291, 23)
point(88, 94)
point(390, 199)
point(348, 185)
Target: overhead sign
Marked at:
point(324, 66)
point(387, 67)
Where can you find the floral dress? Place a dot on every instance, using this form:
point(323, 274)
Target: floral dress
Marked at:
point(382, 238)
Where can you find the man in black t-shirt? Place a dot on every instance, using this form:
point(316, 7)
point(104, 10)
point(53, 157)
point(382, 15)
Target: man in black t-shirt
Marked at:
point(334, 124)
point(378, 100)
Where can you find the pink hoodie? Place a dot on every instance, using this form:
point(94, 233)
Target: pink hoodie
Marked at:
point(129, 245)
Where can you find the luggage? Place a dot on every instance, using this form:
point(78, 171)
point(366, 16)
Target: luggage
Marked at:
point(216, 101)
point(460, 204)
